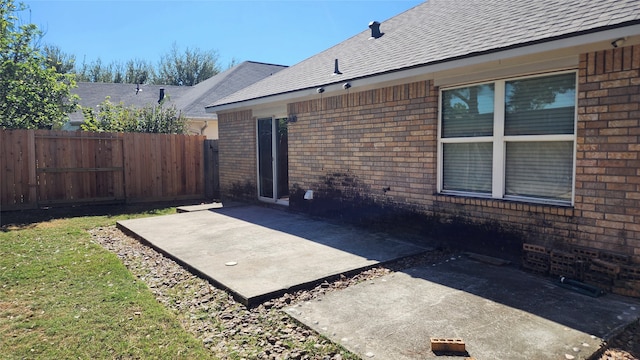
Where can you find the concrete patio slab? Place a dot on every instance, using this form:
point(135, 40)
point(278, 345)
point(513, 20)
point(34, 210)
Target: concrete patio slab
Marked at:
point(258, 253)
point(499, 312)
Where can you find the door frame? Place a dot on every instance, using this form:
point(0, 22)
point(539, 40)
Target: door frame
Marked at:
point(274, 161)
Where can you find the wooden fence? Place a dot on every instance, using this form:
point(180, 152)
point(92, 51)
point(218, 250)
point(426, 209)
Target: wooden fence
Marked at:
point(43, 168)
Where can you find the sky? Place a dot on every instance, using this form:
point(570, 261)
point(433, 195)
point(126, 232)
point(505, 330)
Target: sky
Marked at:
point(269, 31)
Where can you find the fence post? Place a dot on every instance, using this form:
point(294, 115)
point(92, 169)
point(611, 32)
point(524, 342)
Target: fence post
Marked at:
point(211, 169)
point(33, 179)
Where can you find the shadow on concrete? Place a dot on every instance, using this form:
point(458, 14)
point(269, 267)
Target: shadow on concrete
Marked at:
point(29, 218)
point(366, 243)
point(500, 311)
point(506, 285)
point(259, 253)
point(549, 317)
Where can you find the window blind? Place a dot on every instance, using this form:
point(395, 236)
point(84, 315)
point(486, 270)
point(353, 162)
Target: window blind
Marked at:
point(467, 167)
point(539, 169)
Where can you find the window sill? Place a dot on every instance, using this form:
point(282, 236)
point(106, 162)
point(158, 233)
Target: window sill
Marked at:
point(538, 201)
point(507, 199)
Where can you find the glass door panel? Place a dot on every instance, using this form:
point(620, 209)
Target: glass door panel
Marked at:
point(273, 160)
point(282, 159)
point(265, 157)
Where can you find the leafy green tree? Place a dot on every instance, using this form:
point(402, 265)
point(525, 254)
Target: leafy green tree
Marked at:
point(131, 72)
point(164, 120)
point(112, 117)
point(139, 72)
point(96, 71)
point(187, 68)
point(33, 95)
point(175, 68)
point(63, 63)
point(118, 72)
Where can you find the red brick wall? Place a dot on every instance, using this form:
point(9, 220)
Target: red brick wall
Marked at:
point(367, 142)
point(380, 145)
point(608, 157)
point(237, 153)
point(364, 142)
point(606, 215)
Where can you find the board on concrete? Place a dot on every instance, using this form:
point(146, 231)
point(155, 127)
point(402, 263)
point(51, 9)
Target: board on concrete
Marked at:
point(499, 313)
point(257, 253)
point(199, 207)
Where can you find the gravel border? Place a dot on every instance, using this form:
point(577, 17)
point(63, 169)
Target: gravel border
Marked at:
point(230, 330)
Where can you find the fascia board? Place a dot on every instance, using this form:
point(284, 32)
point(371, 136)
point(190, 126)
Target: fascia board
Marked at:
point(585, 42)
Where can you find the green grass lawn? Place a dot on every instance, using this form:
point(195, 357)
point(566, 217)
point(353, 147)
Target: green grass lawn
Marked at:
point(62, 297)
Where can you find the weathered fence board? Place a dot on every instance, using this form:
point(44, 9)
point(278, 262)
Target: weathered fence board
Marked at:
point(78, 167)
point(18, 180)
point(43, 167)
point(163, 167)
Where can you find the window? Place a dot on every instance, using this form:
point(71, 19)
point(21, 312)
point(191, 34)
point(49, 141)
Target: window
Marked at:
point(510, 139)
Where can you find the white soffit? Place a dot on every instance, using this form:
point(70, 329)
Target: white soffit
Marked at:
point(502, 69)
point(278, 111)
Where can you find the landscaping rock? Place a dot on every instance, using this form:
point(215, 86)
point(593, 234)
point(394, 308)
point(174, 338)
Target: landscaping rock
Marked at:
point(229, 329)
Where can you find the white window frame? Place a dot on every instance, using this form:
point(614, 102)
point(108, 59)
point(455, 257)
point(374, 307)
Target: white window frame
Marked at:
point(500, 141)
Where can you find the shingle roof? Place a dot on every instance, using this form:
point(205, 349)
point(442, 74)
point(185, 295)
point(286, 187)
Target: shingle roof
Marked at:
point(442, 30)
point(190, 100)
point(225, 83)
point(92, 94)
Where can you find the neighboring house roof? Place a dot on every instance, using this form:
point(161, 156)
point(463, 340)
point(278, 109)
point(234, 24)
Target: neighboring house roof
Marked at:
point(438, 31)
point(93, 94)
point(190, 100)
point(193, 103)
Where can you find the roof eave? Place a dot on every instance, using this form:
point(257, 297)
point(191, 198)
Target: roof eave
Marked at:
point(210, 117)
point(573, 40)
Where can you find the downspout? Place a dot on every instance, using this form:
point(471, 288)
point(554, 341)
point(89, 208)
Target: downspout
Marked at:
point(206, 124)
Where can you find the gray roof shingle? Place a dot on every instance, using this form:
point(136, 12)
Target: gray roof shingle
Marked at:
point(190, 100)
point(442, 30)
point(93, 94)
point(193, 103)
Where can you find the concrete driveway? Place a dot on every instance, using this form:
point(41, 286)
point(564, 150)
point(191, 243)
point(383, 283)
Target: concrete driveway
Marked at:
point(499, 312)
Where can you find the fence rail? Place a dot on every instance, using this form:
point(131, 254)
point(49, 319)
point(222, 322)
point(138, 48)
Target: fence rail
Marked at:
point(43, 167)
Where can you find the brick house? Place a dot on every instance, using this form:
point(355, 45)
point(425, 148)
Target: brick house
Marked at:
point(518, 119)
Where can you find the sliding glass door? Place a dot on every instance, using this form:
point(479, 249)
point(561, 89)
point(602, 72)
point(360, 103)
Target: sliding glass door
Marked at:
point(273, 160)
